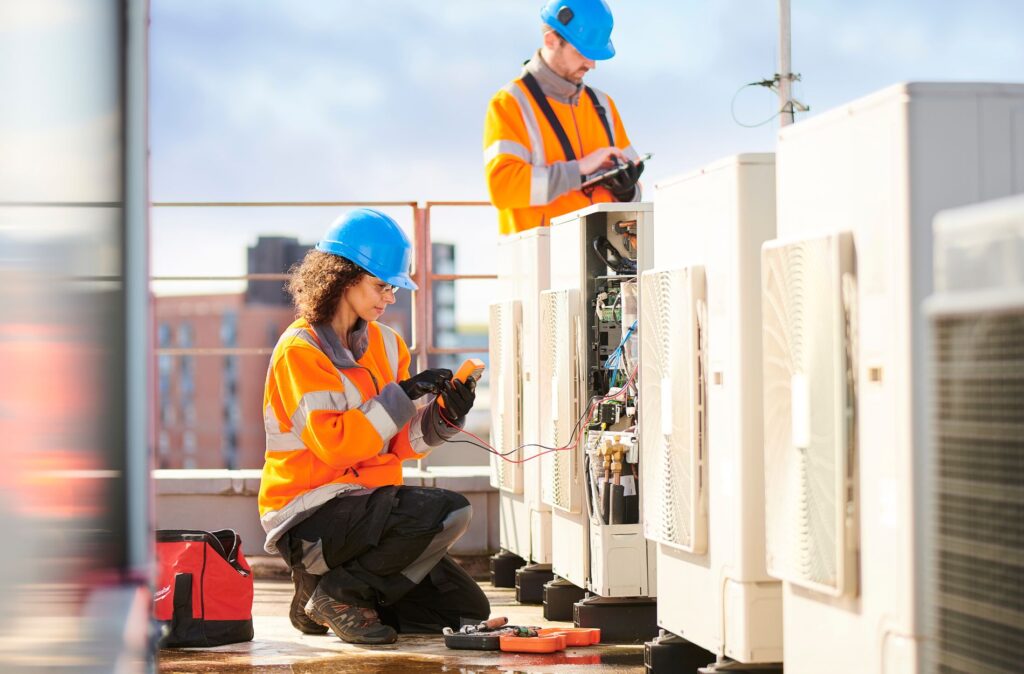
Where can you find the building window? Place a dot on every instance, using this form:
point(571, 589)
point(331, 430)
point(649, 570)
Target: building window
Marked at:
point(163, 450)
point(189, 443)
point(230, 412)
point(163, 335)
point(273, 333)
point(185, 335)
point(229, 329)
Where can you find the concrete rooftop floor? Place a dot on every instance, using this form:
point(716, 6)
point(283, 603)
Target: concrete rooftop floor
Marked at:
point(278, 647)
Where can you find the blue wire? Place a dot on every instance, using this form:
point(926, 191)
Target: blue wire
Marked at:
point(616, 356)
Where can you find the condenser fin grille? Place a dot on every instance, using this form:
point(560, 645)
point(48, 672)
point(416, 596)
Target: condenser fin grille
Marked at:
point(809, 358)
point(560, 483)
point(506, 394)
point(673, 391)
point(978, 572)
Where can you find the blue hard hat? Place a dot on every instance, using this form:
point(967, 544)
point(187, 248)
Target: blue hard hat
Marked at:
point(373, 241)
point(585, 24)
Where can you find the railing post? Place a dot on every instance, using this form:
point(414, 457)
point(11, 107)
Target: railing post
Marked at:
point(428, 282)
point(422, 304)
point(421, 300)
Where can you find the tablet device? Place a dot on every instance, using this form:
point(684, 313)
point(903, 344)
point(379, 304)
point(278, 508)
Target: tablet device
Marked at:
point(598, 177)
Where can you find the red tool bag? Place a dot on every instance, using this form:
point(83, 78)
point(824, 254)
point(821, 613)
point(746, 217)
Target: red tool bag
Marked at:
point(203, 588)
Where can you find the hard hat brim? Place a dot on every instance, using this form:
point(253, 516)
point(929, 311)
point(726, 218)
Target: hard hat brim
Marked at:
point(602, 53)
point(402, 281)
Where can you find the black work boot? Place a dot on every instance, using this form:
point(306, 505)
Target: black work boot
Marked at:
point(353, 624)
point(305, 583)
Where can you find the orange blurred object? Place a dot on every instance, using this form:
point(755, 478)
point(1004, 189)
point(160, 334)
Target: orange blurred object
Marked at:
point(48, 395)
point(538, 644)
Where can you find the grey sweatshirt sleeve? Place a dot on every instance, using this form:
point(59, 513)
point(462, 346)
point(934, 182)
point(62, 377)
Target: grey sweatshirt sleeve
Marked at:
point(388, 411)
point(562, 177)
point(435, 430)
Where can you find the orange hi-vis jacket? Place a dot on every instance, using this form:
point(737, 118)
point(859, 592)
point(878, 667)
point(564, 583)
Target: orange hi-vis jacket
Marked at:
point(336, 420)
point(529, 177)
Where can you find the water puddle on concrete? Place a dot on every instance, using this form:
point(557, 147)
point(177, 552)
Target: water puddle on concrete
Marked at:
point(192, 662)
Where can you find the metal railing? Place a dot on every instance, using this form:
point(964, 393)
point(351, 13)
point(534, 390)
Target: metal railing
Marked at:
point(422, 346)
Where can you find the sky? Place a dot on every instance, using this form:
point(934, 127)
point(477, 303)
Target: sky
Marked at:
point(337, 100)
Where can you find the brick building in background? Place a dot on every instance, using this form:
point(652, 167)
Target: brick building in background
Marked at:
point(209, 405)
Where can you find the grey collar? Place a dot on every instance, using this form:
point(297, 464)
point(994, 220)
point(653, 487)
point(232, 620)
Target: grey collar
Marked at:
point(339, 355)
point(551, 83)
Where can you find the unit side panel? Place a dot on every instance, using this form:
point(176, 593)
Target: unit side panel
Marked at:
point(513, 524)
point(534, 276)
point(570, 547)
point(755, 223)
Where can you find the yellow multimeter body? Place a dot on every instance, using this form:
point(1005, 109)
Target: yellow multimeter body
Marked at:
point(471, 368)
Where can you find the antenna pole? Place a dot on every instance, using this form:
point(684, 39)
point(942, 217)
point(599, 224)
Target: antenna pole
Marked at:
point(785, 65)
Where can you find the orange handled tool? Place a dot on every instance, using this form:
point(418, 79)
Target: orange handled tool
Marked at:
point(471, 368)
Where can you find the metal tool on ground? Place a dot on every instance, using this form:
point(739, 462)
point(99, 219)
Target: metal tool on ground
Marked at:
point(478, 641)
point(488, 625)
point(484, 636)
point(496, 634)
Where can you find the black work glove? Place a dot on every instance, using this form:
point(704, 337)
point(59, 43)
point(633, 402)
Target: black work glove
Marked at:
point(428, 381)
point(623, 184)
point(458, 399)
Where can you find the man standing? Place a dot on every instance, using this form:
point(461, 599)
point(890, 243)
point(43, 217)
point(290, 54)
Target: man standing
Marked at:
point(546, 131)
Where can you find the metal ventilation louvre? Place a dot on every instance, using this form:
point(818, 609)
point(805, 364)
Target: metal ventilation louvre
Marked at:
point(674, 394)
point(506, 394)
point(978, 563)
point(809, 323)
point(560, 488)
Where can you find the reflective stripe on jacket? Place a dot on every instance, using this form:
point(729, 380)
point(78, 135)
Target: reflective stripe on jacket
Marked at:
point(529, 178)
point(336, 420)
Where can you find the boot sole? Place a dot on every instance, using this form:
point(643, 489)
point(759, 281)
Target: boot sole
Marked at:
point(352, 639)
point(315, 629)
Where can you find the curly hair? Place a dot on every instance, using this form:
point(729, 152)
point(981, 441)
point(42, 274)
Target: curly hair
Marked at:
point(316, 284)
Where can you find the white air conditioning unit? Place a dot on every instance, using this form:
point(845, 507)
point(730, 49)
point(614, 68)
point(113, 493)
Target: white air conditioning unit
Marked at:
point(506, 395)
point(809, 322)
point(562, 487)
point(712, 222)
point(524, 271)
point(561, 473)
point(975, 538)
point(673, 429)
point(879, 169)
point(613, 559)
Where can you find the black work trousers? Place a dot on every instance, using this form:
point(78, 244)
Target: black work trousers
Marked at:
point(386, 549)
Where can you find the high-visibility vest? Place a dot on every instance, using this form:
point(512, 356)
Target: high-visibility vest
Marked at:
point(330, 426)
point(520, 144)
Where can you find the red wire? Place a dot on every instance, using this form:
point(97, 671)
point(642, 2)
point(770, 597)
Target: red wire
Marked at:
point(579, 433)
